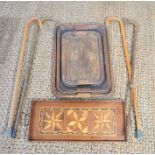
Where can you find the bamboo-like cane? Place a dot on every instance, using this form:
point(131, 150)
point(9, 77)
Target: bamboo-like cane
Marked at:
point(20, 67)
point(139, 129)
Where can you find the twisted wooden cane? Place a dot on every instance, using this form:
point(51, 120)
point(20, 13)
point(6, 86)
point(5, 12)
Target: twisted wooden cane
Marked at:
point(139, 129)
point(10, 130)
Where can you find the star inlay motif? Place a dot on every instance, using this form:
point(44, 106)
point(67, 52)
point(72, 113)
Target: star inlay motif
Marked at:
point(103, 121)
point(77, 122)
point(52, 120)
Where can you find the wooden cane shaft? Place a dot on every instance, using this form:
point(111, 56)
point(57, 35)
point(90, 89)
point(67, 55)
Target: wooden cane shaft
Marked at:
point(136, 107)
point(129, 68)
point(20, 68)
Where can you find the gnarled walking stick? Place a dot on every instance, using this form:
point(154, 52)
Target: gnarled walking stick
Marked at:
point(15, 97)
point(139, 129)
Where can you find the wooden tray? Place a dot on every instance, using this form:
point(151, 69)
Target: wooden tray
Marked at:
point(77, 120)
point(82, 61)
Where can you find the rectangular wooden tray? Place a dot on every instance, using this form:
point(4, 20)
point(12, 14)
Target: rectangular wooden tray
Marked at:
point(82, 61)
point(77, 120)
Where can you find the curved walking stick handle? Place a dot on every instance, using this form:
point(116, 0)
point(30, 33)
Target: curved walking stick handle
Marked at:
point(125, 46)
point(19, 72)
point(139, 130)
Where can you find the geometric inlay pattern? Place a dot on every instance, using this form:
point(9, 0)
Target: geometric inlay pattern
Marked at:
point(77, 121)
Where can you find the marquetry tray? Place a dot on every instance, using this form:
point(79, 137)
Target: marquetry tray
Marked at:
point(82, 61)
point(77, 120)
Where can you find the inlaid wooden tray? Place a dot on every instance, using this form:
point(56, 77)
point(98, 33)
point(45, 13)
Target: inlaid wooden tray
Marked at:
point(82, 61)
point(77, 120)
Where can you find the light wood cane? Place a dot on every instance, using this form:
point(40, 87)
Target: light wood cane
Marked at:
point(19, 72)
point(138, 123)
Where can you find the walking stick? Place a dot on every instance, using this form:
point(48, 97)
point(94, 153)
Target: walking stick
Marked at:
point(139, 129)
point(10, 127)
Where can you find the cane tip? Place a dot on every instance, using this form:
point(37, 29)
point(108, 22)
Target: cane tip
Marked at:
point(139, 133)
point(13, 133)
point(10, 132)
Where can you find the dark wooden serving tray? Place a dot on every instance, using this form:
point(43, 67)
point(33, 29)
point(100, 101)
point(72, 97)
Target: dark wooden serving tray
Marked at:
point(77, 120)
point(82, 61)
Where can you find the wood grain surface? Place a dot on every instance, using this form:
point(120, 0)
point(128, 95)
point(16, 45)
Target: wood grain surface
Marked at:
point(77, 120)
